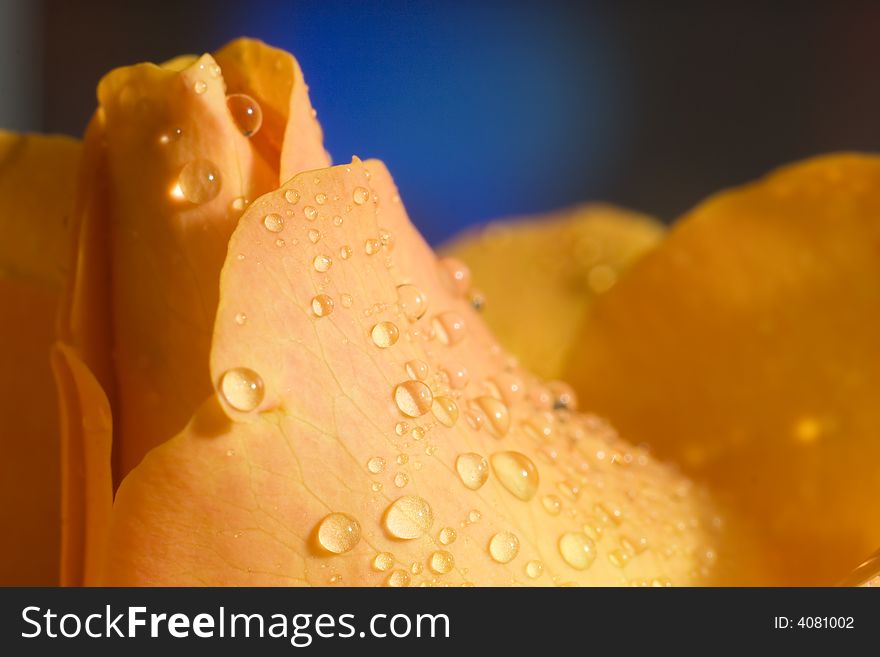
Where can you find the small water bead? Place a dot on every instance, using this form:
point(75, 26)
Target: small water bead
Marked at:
point(534, 569)
point(240, 319)
point(345, 252)
point(361, 195)
point(577, 549)
point(402, 459)
point(387, 239)
point(496, 415)
point(472, 469)
point(337, 220)
point(246, 112)
point(416, 568)
point(314, 235)
point(372, 246)
point(339, 532)
point(474, 516)
point(412, 301)
point(445, 410)
point(310, 212)
point(449, 328)
point(447, 536)
point(401, 428)
point(322, 263)
point(442, 562)
point(242, 389)
point(457, 375)
point(455, 275)
point(376, 486)
point(198, 182)
point(398, 578)
point(291, 196)
point(384, 334)
point(383, 561)
point(517, 473)
point(418, 433)
point(322, 305)
point(200, 86)
point(417, 369)
point(413, 398)
point(376, 464)
point(401, 479)
point(409, 517)
point(320, 198)
point(503, 547)
point(239, 203)
point(274, 223)
point(552, 504)
point(346, 300)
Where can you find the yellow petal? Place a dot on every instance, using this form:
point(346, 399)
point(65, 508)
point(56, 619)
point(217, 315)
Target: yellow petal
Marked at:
point(745, 348)
point(37, 176)
point(240, 496)
point(540, 275)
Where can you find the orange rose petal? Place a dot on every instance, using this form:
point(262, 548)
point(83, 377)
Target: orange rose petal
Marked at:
point(342, 423)
point(745, 348)
point(181, 172)
point(290, 138)
point(37, 177)
point(540, 275)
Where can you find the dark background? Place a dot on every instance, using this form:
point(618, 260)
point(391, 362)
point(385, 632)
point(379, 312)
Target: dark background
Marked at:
point(486, 109)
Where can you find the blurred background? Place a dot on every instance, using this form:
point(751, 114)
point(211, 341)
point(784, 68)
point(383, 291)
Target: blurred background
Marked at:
point(487, 109)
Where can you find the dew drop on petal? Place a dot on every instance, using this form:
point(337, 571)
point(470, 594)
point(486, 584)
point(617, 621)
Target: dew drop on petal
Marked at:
point(398, 578)
point(413, 398)
point(447, 535)
point(442, 562)
point(408, 517)
point(320, 198)
point(338, 533)
point(383, 561)
point(240, 319)
point(246, 113)
point(534, 569)
point(577, 549)
point(416, 369)
point(314, 235)
point(412, 301)
point(198, 182)
point(372, 246)
point(322, 263)
point(345, 252)
point(457, 375)
point(445, 410)
point(322, 305)
point(242, 388)
point(401, 479)
point(456, 276)
point(376, 464)
point(384, 334)
point(310, 212)
point(495, 414)
point(274, 223)
point(552, 504)
point(503, 547)
point(200, 86)
point(449, 328)
point(472, 469)
point(360, 195)
point(517, 473)
point(291, 196)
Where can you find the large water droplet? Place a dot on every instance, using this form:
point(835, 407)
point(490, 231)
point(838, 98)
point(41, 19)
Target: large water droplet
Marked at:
point(273, 222)
point(322, 305)
point(376, 464)
point(445, 410)
point(198, 182)
point(496, 415)
point(442, 562)
point(412, 301)
point(449, 328)
point(447, 535)
point(242, 389)
point(577, 549)
point(413, 398)
point(246, 113)
point(384, 334)
point(517, 474)
point(503, 547)
point(409, 517)
point(360, 195)
point(338, 533)
point(322, 263)
point(473, 470)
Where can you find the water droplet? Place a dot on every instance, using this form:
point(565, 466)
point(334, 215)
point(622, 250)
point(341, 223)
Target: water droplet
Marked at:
point(457, 375)
point(246, 113)
point(322, 305)
point(474, 516)
point(416, 568)
point(417, 369)
point(239, 203)
point(310, 212)
point(418, 433)
point(291, 196)
point(398, 578)
point(551, 504)
point(320, 198)
point(401, 428)
point(456, 276)
point(534, 569)
point(401, 479)
point(345, 252)
point(200, 86)
point(314, 235)
point(387, 239)
point(376, 486)
point(167, 137)
point(402, 459)
point(577, 549)
point(198, 182)
point(346, 300)
point(376, 464)
point(274, 223)
point(510, 387)
point(372, 246)
point(412, 301)
point(322, 263)
point(503, 547)
point(442, 562)
point(447, 535)
point(445, 410)
point(517, 474)
point(361, 195)
point(473, 470)
point(618, 558)
point(384, 334)
point(449, 328)
point(496, 415)
point(240, 319)
point(383, 561)
point(409, 517)
point(413, 398)
point(242, 388)
point(338, 533)
point(337, 220)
